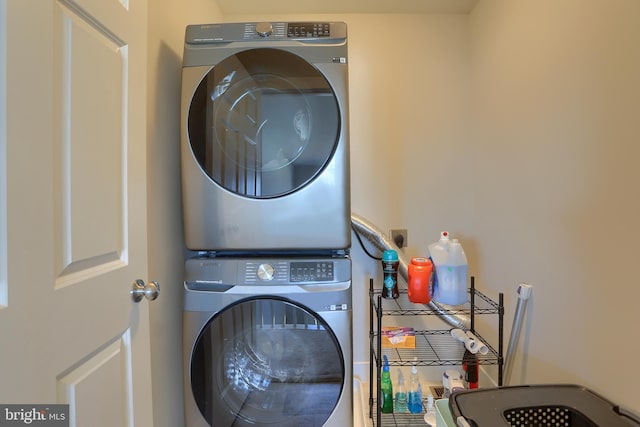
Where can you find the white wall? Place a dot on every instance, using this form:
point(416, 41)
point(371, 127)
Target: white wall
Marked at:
point(554, 138)
point(167, 21)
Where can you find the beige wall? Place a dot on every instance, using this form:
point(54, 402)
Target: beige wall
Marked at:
point(167, 21)
point(408, 103)
point(554, 140)
point(515, 128)
point(409, 106)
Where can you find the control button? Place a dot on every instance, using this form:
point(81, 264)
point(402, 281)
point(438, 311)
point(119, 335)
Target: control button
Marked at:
point(266, 272)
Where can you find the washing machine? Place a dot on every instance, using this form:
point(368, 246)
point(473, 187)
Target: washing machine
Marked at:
point(267, 342)
point(264, 136)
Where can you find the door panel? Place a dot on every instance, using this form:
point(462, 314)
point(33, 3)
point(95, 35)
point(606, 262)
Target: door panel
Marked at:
point(110, 12)
point(102, 376)
point(75, 210)
point(89, 91)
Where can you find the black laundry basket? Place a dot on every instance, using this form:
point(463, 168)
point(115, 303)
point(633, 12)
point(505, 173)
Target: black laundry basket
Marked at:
point(561, 405)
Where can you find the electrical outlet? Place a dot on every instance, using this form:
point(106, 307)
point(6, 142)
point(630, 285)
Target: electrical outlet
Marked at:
point(400, 237)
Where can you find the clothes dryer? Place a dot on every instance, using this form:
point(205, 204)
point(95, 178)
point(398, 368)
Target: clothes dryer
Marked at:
point(267, 342)
point(265, 138)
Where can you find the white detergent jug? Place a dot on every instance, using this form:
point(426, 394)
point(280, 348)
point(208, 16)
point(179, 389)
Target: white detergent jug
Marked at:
point(439, 250)
point(450, 286)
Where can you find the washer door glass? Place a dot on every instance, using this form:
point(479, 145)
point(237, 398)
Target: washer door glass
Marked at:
point(266, 362)
point(263, 123)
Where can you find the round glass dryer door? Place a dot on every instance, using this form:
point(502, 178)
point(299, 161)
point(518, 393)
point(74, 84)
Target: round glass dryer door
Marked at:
point(266, 362)
point(263, 123)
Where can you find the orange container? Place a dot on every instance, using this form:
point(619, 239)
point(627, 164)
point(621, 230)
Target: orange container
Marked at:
point(420, 280)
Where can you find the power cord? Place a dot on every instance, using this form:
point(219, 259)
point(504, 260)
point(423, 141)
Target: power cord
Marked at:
point(364, 248)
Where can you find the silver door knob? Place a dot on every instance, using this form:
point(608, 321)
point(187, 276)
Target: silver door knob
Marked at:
point(141, 290)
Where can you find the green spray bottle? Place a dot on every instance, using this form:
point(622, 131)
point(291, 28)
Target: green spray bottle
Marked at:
point(386, 389)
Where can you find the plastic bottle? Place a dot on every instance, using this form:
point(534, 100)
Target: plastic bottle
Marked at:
point(386, 389)
point(439, 250)
point(415, 391)
point(420, 280)
point(390, 264)
point(450, 285)
point(470, 367)
point(401, 395)
point(438, 254)
point(430, 404)
point(452, 381)
point(457, 272)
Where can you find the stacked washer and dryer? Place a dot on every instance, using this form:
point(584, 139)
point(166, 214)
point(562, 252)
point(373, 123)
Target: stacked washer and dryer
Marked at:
point(266, 206)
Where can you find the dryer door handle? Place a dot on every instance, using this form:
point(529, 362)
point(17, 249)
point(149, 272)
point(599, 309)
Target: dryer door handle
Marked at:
point(140, 290)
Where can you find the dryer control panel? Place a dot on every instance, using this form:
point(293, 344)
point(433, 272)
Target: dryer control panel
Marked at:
point(326, 32)
point(309, 30)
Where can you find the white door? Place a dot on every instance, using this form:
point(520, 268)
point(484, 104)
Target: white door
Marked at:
point(73, 209)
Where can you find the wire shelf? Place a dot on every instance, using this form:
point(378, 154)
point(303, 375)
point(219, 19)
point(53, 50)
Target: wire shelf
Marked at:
point(401, 306)
point(433, 348)
point(401, 420)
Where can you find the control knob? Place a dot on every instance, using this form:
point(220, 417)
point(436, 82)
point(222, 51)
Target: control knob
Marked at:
point(264, 29)
point(266, 272)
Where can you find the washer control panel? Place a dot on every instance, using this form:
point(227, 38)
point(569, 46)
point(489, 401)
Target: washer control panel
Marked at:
point(220, 274)
point(283, 272)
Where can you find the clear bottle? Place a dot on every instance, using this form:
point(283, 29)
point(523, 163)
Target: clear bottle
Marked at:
point(401, 395)
point(386, 389)
point(430, 404)
point(415, 391)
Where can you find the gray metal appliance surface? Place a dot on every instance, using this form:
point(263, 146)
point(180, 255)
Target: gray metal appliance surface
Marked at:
point(268, 342)
point(265, 138)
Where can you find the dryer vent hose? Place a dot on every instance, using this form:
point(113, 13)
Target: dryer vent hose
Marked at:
point(378, 239)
